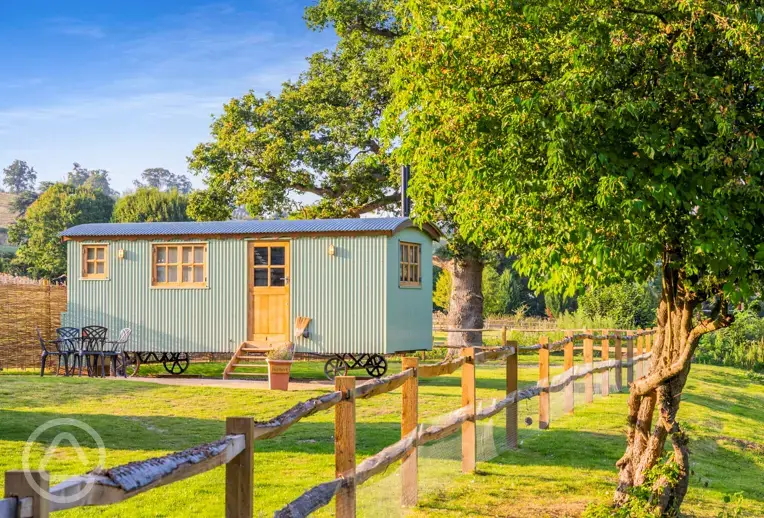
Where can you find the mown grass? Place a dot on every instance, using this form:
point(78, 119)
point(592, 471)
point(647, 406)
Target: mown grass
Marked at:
point(554, 473)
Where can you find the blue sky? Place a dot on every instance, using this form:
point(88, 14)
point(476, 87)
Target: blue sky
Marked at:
point(127, 85)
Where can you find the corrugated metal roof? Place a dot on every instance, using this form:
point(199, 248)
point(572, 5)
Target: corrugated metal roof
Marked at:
point(254, 227)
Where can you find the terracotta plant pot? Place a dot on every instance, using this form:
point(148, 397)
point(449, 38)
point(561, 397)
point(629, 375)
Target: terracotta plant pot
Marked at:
point(278, 374)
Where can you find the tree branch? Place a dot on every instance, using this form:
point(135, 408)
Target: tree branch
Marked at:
point(657, 14)
point(376, 204)
point(651, 382)
point(318, 191)
point(443, 264)
point(362, 26)
point(709, 326)
point(373, 146)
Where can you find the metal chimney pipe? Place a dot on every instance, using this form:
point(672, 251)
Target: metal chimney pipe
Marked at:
point(405, 200)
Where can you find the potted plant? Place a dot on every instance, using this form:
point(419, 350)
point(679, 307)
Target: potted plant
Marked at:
point(279, 362)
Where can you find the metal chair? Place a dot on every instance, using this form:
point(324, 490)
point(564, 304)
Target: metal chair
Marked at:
point(116, 349)
point(68, 340)
point(48, 352)
point(92, 343)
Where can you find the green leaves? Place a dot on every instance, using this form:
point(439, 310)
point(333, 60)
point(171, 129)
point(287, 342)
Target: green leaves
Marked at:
point(312, 150)
point(41, 251)
point(19, 177)
point(148, 204)
point(620, 136)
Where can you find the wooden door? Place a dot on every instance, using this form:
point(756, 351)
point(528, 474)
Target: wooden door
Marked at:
point(269, 291)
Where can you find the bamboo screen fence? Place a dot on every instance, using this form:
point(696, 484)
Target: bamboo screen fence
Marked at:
point(25, 305)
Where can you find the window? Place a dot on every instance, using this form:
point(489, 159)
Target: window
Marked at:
point(181, 265)
point(94, 261)
point(411, 264)
point(269, 263)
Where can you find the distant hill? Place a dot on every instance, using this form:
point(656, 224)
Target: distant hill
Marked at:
point(7, 215)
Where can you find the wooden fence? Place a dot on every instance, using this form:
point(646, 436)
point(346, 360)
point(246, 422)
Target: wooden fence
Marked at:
point(235, 450)
point(25, 307)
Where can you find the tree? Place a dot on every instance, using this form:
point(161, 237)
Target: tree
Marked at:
point(441, 295)
point(316, 139)
point(596, 140)
point(44, 185)
point(93, 178)
point(19, 177)
point(77, 176)
point(150, 204)
point(41, 252)
point(22, 201)
point(372, 29)
point(555, 304)
point(319, 139)
point(162, 179)
point(632, 305)
point(495, 299)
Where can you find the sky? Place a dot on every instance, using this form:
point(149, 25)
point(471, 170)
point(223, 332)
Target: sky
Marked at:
point(128, 85)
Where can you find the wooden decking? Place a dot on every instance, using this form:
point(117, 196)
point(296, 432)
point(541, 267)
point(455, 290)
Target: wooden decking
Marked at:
point(250, 356)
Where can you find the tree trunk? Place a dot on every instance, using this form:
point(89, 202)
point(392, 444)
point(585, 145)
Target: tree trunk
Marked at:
point(465, 309)
point(661, 387)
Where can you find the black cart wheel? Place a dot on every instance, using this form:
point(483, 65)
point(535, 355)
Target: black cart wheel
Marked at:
point(335, 367)
point(133, 365)
point(176, 363)
point(376, 366)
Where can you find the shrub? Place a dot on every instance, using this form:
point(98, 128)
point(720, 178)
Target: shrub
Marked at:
point(441, 295)
point(740, 345)
point(579, 319)
point(151, 204)
point(630, 305)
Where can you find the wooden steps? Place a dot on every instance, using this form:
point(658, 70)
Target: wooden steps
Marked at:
point(249, 355)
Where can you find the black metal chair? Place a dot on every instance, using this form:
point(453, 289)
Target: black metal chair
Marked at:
point(48, 352)
point(68, 340)
point(115, 349)
point(92, 342)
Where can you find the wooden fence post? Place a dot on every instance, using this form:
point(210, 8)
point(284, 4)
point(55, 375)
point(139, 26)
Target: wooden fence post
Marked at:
point(640, 350)
point(344, 446)
point(469, 437)
point(588, 361)
point(511, 426)
point(239, 473)
point(568, 365)
point(17, 485)
point(409, 422)
point(605, 357)
point(619, 358)
point(630, 357)
point(544, 383)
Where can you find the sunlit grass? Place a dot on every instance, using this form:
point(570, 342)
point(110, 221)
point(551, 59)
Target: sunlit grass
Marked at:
point(555, 472)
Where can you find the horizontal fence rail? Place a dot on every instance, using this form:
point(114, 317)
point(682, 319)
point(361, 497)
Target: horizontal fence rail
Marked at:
point(235, 450)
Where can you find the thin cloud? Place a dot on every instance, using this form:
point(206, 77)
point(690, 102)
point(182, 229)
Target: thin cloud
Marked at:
point(21, 83)
point(150, 87)
point(77, 28)
point(156, 105)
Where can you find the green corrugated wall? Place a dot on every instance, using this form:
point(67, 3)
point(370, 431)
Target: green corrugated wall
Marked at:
point(212, 319)
point(344, 294)
point(353, 297)
point(409, 310)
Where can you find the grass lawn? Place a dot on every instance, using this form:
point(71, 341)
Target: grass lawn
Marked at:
point(554, 473)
